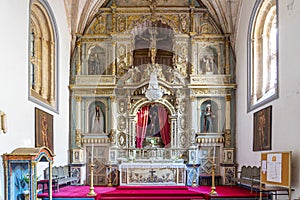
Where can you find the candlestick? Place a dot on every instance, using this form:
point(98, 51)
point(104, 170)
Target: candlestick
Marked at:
point(213, 187)
point(92, 191)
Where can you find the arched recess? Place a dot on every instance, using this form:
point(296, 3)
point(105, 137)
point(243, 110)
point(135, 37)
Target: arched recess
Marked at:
point(166, 135)
point(135, 108)
point(216, 108)
point(91, 112)
point(43, 56)
point(153, 34)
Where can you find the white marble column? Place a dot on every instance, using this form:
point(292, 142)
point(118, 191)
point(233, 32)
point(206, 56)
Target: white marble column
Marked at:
point(193, 57)
point(227, 123)
point(131, 132)
point(113, 113)
point(173, 131)
point(193, 112)
point(78, 112)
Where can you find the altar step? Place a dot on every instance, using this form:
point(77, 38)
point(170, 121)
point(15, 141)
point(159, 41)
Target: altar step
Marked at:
point(152, 192)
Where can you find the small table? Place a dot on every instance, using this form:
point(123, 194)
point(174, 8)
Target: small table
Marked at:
point(205, 179)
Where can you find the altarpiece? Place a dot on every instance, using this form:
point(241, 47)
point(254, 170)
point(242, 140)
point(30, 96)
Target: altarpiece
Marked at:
point(142, 78)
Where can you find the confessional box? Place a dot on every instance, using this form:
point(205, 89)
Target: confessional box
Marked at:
point(20, 172)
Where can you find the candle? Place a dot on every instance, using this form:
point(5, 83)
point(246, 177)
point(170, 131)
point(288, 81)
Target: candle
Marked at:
point(214, 156)
point(92, 157)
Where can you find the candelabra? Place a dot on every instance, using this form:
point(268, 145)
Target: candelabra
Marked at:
point(109, 175)
point(213, 187)
point(92, 192)
point(194, 184)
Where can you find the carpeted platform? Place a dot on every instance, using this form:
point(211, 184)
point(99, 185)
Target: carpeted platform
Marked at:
point(227, 192)
point(153, 192)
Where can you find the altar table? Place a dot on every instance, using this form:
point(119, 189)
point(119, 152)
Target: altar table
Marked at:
point(152, 173)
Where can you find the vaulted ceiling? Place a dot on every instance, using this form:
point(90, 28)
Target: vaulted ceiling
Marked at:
point(224, 12)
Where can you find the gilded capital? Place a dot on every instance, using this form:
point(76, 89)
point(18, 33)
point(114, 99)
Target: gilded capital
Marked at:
point(192, 99)
point(228, 97)
point(112, 98)
point(78, 98)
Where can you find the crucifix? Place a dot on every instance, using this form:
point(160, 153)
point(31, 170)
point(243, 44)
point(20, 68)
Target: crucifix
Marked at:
point(152, 6)
point(152, 175)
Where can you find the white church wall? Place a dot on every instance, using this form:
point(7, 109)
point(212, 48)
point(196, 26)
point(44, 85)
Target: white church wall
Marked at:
point(14, 20)
point(286, 109)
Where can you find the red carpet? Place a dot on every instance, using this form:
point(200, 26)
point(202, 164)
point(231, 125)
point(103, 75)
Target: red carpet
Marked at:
point(152, 192)
point(155, 192)
point(226, 192)
point(76, 192)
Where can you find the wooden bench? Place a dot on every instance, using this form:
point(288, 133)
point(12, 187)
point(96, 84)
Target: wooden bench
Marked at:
point(248, 177)
point(60, 176)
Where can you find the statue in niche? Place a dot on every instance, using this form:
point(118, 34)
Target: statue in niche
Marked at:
point(97, 121)
point(96, 62)
point(153, 127)
point(208, 65)
point(208, 119)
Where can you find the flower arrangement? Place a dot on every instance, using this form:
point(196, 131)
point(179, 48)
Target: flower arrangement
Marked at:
point(22, 182)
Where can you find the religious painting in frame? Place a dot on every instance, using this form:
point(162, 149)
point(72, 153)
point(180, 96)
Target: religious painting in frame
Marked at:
point(262, 128)
point(43, 129)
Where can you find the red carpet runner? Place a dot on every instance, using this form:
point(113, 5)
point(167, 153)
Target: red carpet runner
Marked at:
point(154, 193)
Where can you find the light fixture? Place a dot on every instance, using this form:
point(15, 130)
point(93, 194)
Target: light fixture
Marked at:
point(3, 122)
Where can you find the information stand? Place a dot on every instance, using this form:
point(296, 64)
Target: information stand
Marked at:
point(276, 172)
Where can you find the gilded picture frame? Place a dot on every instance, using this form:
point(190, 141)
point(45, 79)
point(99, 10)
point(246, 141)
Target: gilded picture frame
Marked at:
point(262, 129)
point(43, 129)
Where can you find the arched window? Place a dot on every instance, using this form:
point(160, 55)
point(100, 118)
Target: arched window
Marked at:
point(43, 74)
point(262, 54)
